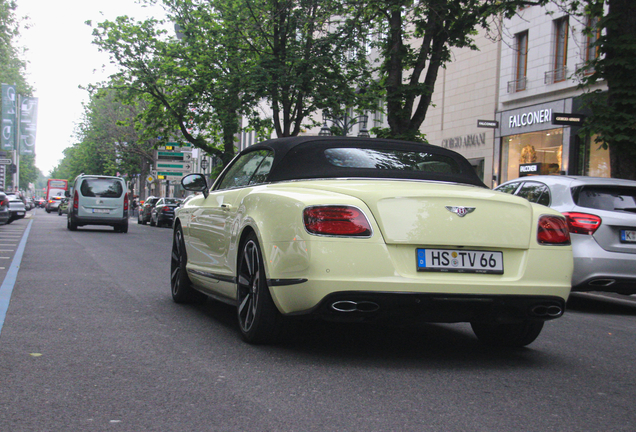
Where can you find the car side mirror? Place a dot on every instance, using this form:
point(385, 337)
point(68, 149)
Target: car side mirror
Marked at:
point(195, 183)
point(67, 193)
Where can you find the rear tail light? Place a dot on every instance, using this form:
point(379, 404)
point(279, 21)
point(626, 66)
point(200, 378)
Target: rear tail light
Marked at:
point(165, 209)
point(126, 201)
point(553, 230)
point(75, 200)
point(582, 223)
point(336, 221)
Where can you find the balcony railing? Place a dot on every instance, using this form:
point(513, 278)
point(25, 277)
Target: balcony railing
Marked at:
point(556, 75)
point(517, 85)
point(584, 69)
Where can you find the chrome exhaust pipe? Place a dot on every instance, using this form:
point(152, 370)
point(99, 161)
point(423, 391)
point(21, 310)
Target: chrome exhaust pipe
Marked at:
point(602, 282)
point(551, 311)
point(554, 311)
point(353, 306)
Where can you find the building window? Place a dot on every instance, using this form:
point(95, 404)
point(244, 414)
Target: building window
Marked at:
point(521, 68)
point(591, 52)
point(561, 49)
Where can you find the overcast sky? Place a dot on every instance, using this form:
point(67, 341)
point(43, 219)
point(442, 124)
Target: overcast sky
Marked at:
point(61, 57)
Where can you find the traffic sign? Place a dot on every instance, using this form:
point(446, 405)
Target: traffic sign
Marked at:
point(150, 179)
point(169, 175)
point(173, 156)
point(175, 146)
point(174, 166)
point(6, 161)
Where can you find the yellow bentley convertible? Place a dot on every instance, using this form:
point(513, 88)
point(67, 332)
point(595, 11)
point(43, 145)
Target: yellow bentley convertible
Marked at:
point(360, 229)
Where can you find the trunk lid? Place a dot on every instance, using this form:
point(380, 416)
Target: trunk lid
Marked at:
point(421, 213)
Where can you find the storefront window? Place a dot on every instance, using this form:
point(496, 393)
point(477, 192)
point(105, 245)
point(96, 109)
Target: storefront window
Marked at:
point(531, 153)
point(598, 161)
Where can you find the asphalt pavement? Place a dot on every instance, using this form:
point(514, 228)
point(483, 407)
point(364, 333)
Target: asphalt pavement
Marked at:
point(93, 342)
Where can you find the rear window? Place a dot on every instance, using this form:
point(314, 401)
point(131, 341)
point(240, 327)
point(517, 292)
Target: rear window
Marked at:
point(606, 198)
point(395, 160)
point(102, 188)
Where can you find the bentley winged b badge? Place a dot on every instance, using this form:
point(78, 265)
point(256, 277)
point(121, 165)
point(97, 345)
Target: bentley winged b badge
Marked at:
point(460, 211)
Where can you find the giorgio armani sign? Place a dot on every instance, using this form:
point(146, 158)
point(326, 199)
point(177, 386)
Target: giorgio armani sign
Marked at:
point(471, 140)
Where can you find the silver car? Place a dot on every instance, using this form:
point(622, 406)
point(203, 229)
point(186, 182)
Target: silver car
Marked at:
point(601, 216)
point(17, 210)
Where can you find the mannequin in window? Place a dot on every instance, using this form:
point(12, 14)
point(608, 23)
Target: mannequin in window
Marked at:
point(528, 154)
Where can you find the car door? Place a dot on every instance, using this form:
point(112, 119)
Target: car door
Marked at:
point(535, 192)
point(213, 227)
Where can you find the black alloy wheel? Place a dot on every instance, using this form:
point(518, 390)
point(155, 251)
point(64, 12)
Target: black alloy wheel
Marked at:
point(259, 319)
point(180, 284)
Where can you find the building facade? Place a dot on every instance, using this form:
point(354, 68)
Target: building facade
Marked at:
point(539, 108)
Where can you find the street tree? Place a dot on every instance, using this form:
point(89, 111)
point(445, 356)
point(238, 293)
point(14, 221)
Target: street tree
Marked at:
point(415, 41)
point(194, 85)
point(310, 55)
point(612, 23)
point(12, 66)
point(107, 139)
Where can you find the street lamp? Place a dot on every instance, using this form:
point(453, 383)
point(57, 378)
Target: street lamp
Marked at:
point(345, 123)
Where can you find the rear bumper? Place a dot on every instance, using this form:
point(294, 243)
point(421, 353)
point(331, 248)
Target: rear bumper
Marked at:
point(405, 307)
point(596, 269)
point(85, 220)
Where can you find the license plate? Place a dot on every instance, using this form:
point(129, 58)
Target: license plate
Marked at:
point(459, 261)
point(628, 236)
point(20, 213)
point(101, 211)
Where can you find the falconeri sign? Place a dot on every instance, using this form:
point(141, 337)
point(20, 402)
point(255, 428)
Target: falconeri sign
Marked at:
point(530, 118)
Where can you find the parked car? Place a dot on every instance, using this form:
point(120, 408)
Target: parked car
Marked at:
point(29, 204)
point(601, 216)
point(98, 200)
point(17, 210)
point(4, 209)
point(362, 229)
point(53, 203)
point(163, 211)
point(63, 207)
point(145, 210)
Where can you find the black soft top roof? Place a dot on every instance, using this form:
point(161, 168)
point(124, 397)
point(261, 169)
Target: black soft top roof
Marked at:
point(303, 158)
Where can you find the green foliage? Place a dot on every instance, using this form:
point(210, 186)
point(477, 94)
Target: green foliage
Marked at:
point(12, 67)
point(108, 141)
point(29, 173)
point(416, 40)
point(613, 119)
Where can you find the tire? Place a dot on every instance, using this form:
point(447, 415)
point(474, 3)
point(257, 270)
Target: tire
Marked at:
point(510, 335)
point(152, 222)
point(139, 219)
point(71, 224)
point(180, 284)
point(122, 228)
point(259, 320)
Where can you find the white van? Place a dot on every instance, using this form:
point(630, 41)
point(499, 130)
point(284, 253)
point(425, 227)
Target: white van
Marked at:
point(98, 200)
